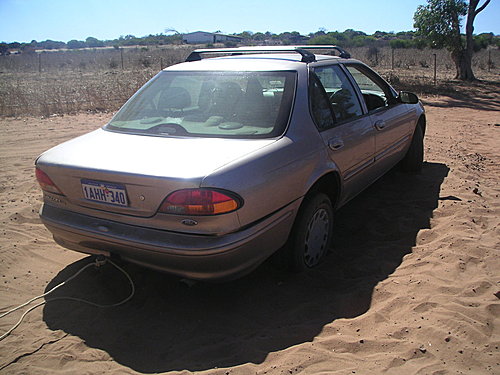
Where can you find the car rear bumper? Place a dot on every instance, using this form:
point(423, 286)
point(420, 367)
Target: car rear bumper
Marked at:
point(192, 256)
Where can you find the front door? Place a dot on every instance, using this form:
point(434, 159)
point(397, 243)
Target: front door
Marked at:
point(391, 119)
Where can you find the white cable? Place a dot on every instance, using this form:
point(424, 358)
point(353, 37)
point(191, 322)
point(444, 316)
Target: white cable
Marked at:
point(97, 263)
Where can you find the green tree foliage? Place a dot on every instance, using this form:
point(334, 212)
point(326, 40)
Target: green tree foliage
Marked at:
point(50, 44)
point(73, 44)
point(440, 20)
point(324, 39)
point(4, 49)
point(346, 39)
point(484, 40)
point(260, 37)
point(408, 43)
point(150, 40)
point(94, 42)
point(246, 35)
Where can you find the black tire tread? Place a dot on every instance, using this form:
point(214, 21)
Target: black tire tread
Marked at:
point(294, 257)
point(414, 158)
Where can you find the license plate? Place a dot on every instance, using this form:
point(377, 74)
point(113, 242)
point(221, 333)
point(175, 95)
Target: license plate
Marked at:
point(104, 192)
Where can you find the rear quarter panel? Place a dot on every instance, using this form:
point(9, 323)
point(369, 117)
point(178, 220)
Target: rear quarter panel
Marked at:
point(280, 173)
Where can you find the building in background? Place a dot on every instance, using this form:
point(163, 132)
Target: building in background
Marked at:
point(199, 37)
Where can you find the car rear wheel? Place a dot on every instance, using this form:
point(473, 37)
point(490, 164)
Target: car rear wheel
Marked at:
point(414, 158)
point(311, 234)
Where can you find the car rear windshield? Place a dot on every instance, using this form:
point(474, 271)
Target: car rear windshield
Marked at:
point(209, 104)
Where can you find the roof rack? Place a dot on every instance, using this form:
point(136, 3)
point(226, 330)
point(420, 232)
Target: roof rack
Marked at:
point(307, 56)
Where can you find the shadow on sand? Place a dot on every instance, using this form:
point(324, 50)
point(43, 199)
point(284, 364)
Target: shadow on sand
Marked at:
point(480, 95)
point(169, 326)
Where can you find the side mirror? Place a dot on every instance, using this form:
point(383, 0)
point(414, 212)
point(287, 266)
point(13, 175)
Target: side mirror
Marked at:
point(408, 97)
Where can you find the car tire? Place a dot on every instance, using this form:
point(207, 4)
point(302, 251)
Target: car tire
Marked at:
point(414, 158)
point(311, 234)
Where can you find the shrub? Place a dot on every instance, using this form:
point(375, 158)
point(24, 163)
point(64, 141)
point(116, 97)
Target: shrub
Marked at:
point(423, 64)
point(373, 54)
point(145, 62)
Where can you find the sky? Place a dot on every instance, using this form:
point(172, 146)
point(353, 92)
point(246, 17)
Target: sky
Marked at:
point(64, 20)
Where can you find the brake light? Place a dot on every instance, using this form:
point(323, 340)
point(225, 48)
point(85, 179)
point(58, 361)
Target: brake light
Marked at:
point(200, 202)
point(46, 183)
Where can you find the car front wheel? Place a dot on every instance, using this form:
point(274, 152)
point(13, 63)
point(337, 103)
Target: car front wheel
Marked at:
point(312, 233)
point(414, 158)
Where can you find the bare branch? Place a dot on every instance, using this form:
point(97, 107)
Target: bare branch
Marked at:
point(481, 8)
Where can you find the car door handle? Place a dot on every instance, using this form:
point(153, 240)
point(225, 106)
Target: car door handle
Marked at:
point(380, 124)
point(335, 144)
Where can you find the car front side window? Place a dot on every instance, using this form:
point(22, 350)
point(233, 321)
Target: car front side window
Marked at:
point(374, 93)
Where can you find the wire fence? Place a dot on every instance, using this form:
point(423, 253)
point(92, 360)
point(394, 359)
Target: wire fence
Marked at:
point(94, 59)
point(59, 82)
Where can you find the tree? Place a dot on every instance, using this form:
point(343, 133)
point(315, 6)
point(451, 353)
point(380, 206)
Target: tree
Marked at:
point(260, 37)
point(440, 21)
point(51, 44)
point(4, 49)
point(93, 42)
point(72, 44)
point(14, 45)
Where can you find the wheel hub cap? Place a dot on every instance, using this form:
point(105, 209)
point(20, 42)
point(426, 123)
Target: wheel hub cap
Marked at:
point(316, 237)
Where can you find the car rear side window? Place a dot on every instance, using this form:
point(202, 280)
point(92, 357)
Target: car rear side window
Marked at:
point(340, 92)
point(320, 107)
point(210, 104)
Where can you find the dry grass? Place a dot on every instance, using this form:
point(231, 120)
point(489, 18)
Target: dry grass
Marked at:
point(75, 81)
point(410, 59)
point(68, 92)
point(93, 80)
point(413, 69)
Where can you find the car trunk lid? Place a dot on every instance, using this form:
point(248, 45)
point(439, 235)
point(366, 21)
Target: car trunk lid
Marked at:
point(132, 174)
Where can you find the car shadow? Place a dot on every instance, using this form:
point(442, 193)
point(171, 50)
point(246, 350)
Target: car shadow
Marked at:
point(479, 95)
point(173, 325)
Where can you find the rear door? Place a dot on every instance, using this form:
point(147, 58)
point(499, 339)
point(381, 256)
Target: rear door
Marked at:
point(346, 131)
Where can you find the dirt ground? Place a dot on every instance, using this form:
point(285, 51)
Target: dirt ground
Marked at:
point(412, 287)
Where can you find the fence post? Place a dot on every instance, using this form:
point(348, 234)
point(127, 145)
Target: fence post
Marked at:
point(39, 63)
point(121, 56)
point(489, 60)
point(435, 69)
point(392, 58)
point(161, 63)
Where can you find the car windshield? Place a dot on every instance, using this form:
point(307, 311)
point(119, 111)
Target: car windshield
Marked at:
point(209, 104)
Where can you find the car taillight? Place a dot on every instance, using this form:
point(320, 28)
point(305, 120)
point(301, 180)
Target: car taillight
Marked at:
point(200, 202)
point(46, 183)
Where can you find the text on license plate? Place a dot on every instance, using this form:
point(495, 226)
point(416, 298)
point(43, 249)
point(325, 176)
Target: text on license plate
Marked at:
point(104, 192)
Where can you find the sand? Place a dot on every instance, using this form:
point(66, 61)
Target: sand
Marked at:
point(411, 288)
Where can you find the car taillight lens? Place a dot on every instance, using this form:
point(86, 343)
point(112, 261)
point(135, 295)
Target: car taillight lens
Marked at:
point(46, 183)
point(200, 202)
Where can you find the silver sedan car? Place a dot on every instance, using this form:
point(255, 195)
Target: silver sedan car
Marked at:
point(236, 154)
